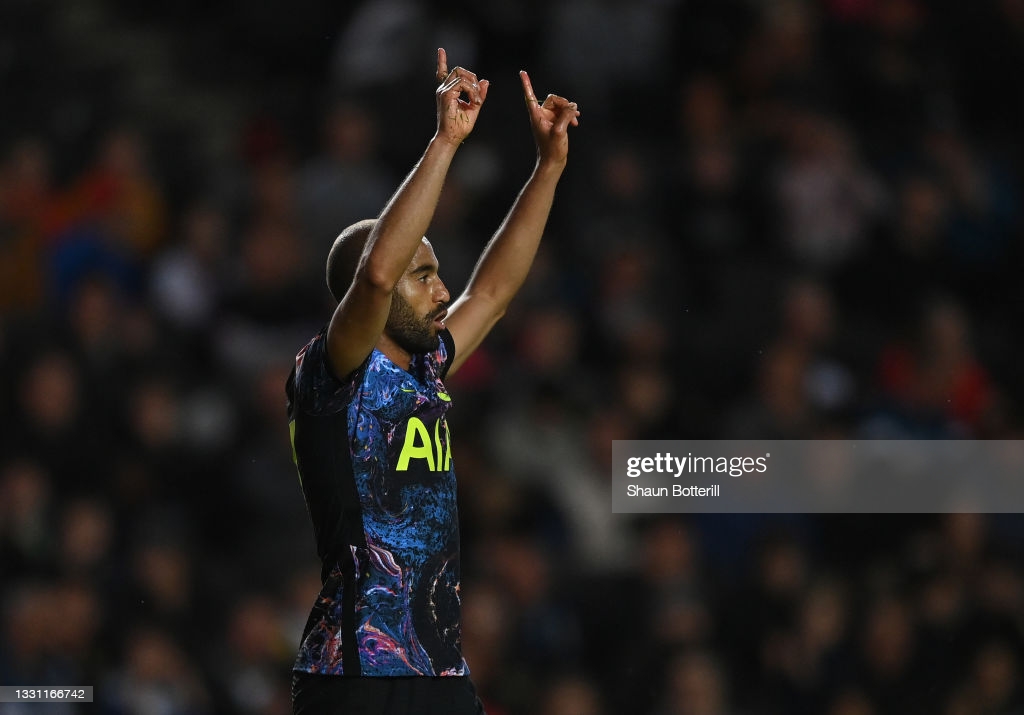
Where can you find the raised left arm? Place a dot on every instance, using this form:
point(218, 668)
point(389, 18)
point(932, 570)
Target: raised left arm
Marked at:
point(506, 260)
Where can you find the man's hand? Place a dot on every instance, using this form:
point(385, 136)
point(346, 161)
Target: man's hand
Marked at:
point(550, 121)
point(455, 115)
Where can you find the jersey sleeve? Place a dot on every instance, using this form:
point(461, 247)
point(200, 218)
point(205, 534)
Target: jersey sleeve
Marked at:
point(317, 391)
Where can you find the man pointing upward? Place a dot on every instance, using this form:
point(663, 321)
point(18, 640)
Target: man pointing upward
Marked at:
point(366, 410)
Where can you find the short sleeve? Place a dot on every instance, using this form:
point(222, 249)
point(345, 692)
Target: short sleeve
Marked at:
point(317, 391)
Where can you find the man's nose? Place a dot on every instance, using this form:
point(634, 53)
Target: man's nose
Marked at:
point(441, 293)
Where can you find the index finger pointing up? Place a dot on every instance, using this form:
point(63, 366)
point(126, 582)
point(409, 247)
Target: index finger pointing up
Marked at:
point(442, 64)
point(531, 98)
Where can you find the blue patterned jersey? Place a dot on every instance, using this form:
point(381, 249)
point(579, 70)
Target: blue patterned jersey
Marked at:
point(375, 464)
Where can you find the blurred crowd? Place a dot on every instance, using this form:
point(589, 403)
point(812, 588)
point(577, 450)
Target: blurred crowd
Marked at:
point(796, 219)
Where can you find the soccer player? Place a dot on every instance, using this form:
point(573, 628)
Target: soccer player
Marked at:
point(366, 407)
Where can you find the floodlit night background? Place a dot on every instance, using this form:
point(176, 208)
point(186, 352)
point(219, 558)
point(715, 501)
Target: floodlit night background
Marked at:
point(785, 219)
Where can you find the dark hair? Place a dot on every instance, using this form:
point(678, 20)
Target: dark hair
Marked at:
point(344, 257)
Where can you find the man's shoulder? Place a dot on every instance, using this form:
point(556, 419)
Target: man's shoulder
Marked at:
point(313, 387)
point(445, 352)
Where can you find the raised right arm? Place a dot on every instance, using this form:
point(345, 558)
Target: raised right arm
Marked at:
point(359, 319)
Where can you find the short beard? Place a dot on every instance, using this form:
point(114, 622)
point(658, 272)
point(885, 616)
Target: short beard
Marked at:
point(410, 332)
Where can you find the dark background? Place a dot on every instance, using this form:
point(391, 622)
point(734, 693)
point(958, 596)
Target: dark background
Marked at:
point(780, 220)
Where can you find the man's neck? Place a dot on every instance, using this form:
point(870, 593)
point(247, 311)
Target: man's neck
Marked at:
point(393, 352)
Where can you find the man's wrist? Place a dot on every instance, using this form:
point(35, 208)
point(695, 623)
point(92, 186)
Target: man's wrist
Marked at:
point(445, 142)
point(549, 166)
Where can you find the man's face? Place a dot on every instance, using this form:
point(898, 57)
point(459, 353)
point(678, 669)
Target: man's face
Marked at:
point(418, 304)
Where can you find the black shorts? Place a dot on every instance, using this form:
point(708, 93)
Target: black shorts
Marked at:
point(314, 694)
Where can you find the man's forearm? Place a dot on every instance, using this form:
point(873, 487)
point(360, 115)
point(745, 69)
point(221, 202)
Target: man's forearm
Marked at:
point(505, 262)
point(406, 217)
